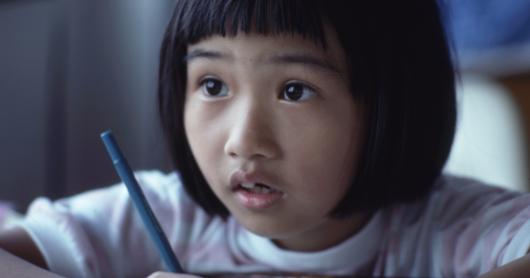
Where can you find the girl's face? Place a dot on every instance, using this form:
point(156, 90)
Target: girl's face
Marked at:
point(275, 111)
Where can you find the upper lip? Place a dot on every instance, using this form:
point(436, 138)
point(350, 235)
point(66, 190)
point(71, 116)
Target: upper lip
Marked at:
point(239, 176)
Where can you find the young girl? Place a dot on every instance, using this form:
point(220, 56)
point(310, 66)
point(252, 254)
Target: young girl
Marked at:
point(309, 137)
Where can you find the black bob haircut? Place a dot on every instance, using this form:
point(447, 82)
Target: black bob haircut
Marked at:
point(400, 69)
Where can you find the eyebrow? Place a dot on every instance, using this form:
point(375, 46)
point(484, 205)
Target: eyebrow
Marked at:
point(202, 53)
point(305, 59)
point(290, 58)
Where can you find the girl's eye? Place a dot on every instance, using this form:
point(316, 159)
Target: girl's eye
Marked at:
point(213, 88)
point(297, 92)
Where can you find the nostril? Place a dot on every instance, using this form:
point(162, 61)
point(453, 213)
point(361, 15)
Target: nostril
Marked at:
point(250, 145)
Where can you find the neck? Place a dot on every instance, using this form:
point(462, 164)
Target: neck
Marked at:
point(329, 233)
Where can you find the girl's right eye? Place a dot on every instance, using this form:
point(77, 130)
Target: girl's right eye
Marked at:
point(212, 87)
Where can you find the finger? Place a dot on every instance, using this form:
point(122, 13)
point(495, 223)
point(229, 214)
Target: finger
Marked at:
point(161, 274)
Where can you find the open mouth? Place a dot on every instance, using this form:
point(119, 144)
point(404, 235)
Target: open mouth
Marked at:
point(256, 191)
point(256, 188)
point(257, 196)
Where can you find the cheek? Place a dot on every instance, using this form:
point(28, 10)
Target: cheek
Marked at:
point(203, 135)
point(326, 162)
point(324, 154)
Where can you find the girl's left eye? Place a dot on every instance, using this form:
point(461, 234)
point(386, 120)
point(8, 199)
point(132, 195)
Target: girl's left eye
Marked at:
point(212, 87)
point(297, 92)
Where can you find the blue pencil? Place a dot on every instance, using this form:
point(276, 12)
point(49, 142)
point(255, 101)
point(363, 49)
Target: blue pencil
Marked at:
point(139, 200)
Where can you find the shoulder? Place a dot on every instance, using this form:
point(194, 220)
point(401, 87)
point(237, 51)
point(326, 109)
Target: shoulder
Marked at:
point(494, 221)
point(163, 191)
point(449, 183)
point(456, 197)
point(85, 225)
point(157, 177)
point(158, 184)
point(466, 225)
point(160, 189)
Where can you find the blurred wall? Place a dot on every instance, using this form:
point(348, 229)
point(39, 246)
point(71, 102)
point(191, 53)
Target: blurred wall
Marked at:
point(491, 44)
point(68, 71)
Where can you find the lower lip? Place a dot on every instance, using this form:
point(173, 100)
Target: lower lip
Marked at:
point(254, 200)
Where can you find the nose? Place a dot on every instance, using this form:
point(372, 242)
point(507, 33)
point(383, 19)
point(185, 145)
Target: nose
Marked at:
point(251, 135)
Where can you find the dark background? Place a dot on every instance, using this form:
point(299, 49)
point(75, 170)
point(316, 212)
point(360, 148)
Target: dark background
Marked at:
point(68, 71)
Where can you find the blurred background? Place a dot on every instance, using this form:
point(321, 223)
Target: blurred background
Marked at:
point(71, 69)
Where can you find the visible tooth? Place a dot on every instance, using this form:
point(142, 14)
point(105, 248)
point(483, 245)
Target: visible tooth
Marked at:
point(262, 189)
point(257, 188)
point(248, 185)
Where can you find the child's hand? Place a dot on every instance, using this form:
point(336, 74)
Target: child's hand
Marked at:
point(160, 274)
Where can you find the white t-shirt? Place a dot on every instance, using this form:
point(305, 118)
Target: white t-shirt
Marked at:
point(462, 229)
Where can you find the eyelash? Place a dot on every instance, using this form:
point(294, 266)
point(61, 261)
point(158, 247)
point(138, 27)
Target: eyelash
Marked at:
point(214, 83)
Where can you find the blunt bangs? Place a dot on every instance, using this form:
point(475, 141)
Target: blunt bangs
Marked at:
point(203, 18)
point(400, 69)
